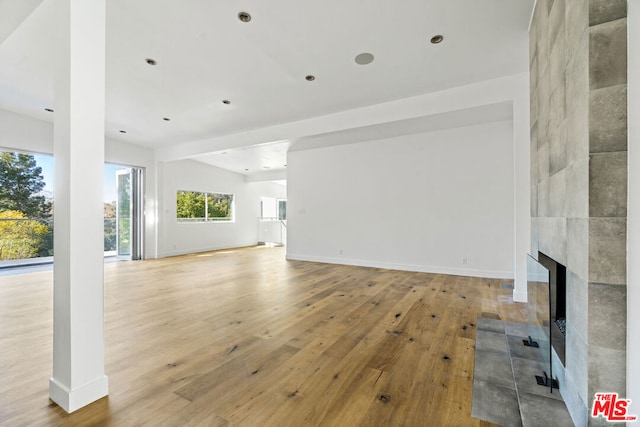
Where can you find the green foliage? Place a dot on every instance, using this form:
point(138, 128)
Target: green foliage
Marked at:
point(110, 210)
point(220, 205)
point(190, 205)
point(124, 195)
point(20, 182)
point(124, 236)
point(109, 234)
point(110, 226)
point(21, 237)
point(204, 206)
point(124, 214)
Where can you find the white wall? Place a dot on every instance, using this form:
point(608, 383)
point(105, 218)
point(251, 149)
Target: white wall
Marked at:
point(419, 202)
point(513, 89)
point(522, 188)
point(633, 232)
point(184, 237)
point(18, 132)
point(25, 133)
point(269, 207)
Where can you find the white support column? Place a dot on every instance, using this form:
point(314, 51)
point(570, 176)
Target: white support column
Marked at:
point(522, 186)
point(78, 301)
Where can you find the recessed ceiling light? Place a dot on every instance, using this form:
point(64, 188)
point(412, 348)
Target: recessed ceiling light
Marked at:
point(226, 101)
point(49, 110)
point(166, 119)
point(123, 131)
point(151, 61)
point(364, 59)
point(437, 39)
point(310, 78)
point(244, 17)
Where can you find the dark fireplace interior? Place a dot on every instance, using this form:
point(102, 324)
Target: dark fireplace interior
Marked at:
point(557, 303)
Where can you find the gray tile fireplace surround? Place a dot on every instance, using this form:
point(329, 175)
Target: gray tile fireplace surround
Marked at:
point(505, 391)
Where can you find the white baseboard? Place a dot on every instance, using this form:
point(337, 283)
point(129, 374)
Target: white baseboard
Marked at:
point(188, 251)
point(487, 274)
point(519, 296)
point(72, 400)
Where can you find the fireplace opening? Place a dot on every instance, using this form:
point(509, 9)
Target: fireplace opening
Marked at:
point(557, 303)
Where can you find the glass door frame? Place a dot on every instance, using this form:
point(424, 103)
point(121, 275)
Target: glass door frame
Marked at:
point(135, 199)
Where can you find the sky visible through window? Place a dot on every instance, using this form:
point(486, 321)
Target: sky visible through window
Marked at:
point(46, 163)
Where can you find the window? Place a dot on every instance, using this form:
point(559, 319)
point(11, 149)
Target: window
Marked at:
point(282, 210)
point(192, 206)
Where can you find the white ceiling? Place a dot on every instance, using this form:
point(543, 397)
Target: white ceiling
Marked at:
point(250, 160)
point(205, 54)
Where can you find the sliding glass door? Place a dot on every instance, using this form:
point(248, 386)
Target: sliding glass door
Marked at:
point(129, 213)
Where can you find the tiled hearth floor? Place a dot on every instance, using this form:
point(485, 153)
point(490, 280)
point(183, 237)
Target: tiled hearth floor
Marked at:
point(505, 391)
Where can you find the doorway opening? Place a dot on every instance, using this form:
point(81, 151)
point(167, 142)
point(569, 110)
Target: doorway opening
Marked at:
point(272, 224)
point(124, 212)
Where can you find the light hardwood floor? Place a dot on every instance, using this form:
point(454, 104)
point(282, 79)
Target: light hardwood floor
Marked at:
point(245, 338)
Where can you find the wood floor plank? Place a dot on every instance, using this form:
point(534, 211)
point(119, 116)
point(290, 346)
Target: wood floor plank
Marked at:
point(229, 375)
point(245, 338)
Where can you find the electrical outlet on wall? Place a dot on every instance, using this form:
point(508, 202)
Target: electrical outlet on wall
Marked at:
point(340, 251)
point(464, 260)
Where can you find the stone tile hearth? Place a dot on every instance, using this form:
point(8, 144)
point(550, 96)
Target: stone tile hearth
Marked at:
point(505, 391)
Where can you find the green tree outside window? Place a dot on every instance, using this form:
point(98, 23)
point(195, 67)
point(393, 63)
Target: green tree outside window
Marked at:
point(195, 206)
